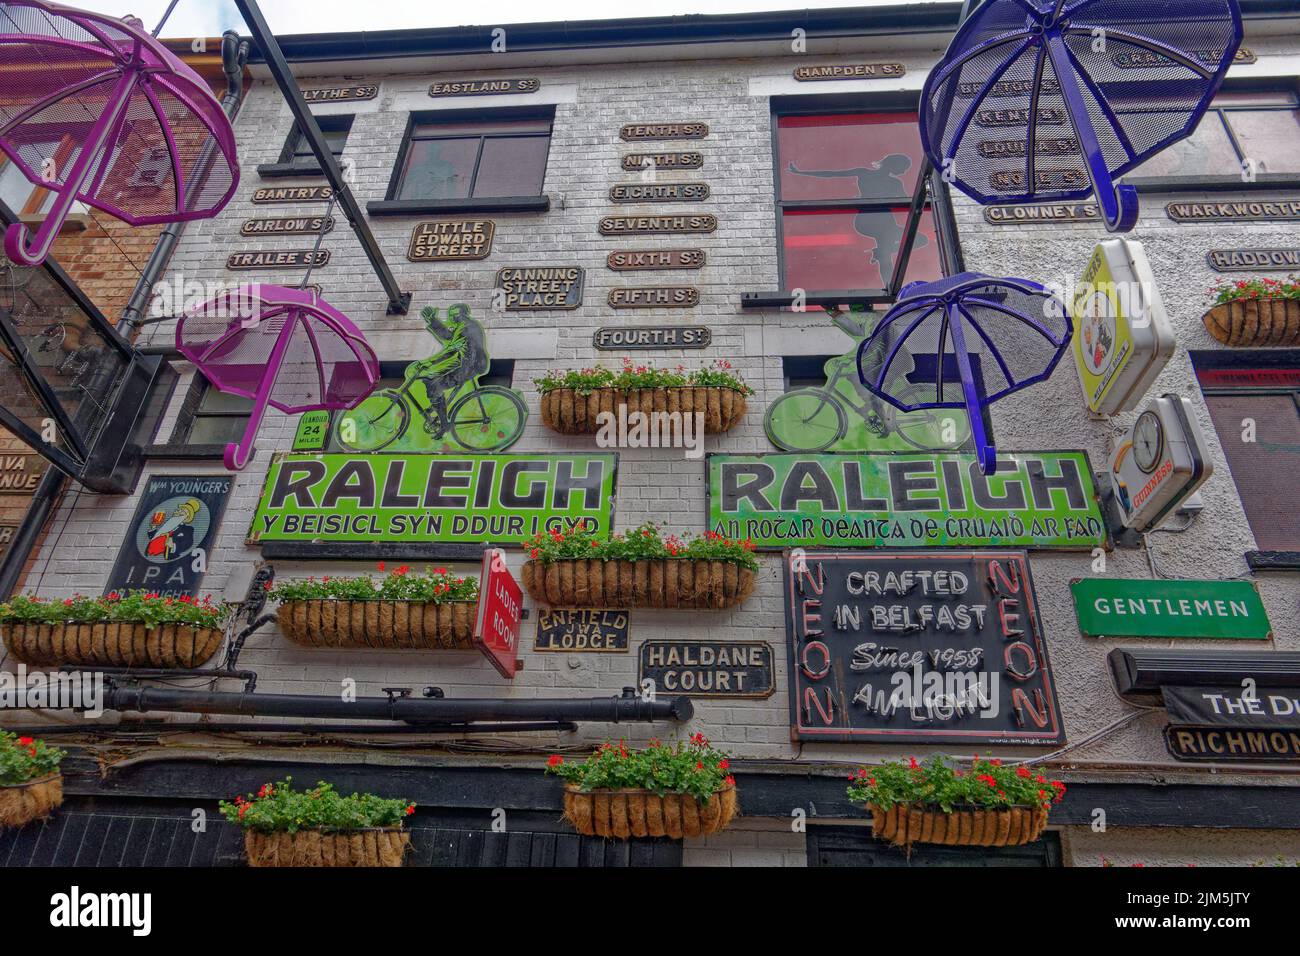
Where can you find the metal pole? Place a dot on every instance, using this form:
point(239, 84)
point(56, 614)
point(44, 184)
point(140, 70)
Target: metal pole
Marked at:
point(398, 301)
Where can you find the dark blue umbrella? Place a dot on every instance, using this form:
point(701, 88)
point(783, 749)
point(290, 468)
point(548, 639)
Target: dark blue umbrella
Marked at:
point(1052, 100)
point(973, 339)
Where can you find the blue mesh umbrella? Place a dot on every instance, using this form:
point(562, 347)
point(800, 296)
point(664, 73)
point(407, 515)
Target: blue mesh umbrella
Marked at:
point(967, 340)
point(1052, 100)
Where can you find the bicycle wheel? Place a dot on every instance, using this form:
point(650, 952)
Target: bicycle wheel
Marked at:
point(376, 423)
point(807, 419)
point(926, 428)
point(490, 418)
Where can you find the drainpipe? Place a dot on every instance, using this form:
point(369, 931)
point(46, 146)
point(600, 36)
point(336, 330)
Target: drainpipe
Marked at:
point(431, 709)
point(234, 54)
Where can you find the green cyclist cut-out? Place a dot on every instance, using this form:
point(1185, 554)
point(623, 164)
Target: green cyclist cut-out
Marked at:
point(843, 415)
point(440, 405)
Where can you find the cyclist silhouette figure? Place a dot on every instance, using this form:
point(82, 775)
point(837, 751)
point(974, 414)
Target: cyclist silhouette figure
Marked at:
point(463, 357)
point(880, 180)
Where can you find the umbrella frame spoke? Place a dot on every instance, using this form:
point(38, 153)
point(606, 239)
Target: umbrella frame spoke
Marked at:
point(993, 349)
point(977, 101)
point(893, 352)
point(1154, 46)
point(320, 361)
point(165, 129)
point(1019, 317)
point(49, 101)
point(1102, 102)
point(1031, 147)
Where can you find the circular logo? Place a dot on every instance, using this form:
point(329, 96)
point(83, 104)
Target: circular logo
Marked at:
point(173, 529)
point(1097, 332)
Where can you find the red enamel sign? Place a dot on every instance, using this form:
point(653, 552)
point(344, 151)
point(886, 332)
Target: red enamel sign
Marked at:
point(500, 608)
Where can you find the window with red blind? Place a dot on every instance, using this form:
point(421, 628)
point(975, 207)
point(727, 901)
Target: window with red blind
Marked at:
point(843, 185)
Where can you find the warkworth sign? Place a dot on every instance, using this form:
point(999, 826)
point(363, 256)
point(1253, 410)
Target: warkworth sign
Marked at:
point(469, 499)
point(1236, 210)
point(1041, 500)
point(1120, 607)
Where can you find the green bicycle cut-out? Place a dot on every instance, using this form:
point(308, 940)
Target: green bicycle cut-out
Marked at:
point(844, 416)
point(440, 405)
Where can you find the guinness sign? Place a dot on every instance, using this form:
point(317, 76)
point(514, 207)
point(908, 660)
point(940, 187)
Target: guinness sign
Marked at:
point(658, 297)
point(849, 71)
point(1254, 260)
point(442, 240)
point(274, 194)
point(663, 225)
point(652, 337)
point(634, 161)
point(523, 84)
point(639, 131)
point(658, 192)
point(277, 259)
point(287, 226)
point(337, 94)
point(648, 259)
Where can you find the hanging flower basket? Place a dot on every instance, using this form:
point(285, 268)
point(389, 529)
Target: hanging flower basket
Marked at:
point(904, 825)
point(934, 802)
point(1255, 312)
point(320, 827)
point(136, 630)
point(574, 402)
point(400, 611)
point(31, 786)
point(698, 797)
point(639, 569)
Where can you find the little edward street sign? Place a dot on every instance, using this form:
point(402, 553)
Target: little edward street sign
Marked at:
point(1220, 610)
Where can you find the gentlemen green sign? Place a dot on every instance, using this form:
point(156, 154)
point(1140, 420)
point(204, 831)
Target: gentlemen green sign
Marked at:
point(469, 499)
point(1216, 610)
point(1034, 500)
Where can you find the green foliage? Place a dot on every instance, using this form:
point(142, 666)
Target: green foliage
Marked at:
point(1230, 290)
point(645, 543)
point(145, 607)
point(435, 586)
point(278, 807)
point(587, 380)
point(687, 767)
point(23, 759)
point(936, 782)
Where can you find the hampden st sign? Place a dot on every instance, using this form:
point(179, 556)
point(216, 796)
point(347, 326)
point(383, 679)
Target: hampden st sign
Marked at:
point(917, 647)
point(477, 499)
point(1041, 500)
point(1137, 607)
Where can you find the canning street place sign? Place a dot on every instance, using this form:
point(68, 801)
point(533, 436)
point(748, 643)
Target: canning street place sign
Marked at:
point(538, 288)
point(1041, 500)
point(471, 499)
point(917, 647)
point(1123, 607)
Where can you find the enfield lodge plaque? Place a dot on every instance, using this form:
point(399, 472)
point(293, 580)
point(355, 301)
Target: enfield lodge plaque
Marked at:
point(663, 225)
point(658, 297)
point(441, 240)
point(581, 629)
point(849, 71)
point(643, 131)
point(519, 84)
point(535, 288)
point(688, 160)
point(277, 259)
point(637, 260)
point(658, 192)
point(926, 647)
point(287, 226)
point(338, 94)
point(275, 194)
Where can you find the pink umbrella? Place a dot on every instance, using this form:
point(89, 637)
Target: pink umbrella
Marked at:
point(95, 109)
point(278, 346)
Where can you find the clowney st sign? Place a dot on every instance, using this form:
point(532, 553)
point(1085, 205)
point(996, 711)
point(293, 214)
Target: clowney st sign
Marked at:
point(473, 499)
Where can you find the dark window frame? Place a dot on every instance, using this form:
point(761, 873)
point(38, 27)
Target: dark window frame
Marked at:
point(291, 164)
point(830, 105)
point(178, 444)
point(1220, 182)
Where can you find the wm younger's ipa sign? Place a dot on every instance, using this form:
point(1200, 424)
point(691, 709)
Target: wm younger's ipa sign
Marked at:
point(474, 499)
point(1035, 500)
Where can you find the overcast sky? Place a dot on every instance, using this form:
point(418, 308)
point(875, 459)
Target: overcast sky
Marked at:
point(211, 17)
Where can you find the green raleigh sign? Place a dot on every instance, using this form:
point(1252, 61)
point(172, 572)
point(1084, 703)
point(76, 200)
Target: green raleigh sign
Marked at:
point(1215, 610)
point(1034, 500)
point(478, 499)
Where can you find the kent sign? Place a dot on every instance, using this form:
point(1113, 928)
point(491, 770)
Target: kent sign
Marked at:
point(432, 498)
point(1034, 500)
point(1222, 610)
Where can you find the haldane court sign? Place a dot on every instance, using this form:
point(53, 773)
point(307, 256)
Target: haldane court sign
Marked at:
point(923, 647)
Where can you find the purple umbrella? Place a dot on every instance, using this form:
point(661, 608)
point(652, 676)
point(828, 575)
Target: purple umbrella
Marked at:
point(278, 346)
point(974, 338)
point(97, 110)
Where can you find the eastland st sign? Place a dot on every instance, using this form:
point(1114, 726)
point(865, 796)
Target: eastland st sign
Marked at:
point(498, 499)
point(1034, 500)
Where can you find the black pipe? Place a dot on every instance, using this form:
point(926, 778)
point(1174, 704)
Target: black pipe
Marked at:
point(413, 710)
point(161, 728)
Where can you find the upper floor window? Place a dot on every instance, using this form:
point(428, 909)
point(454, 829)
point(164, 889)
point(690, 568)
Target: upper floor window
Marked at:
point(473, 156)
point(297, 158)
point(25, 199)
point(1243, 131)
point(844, 182)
